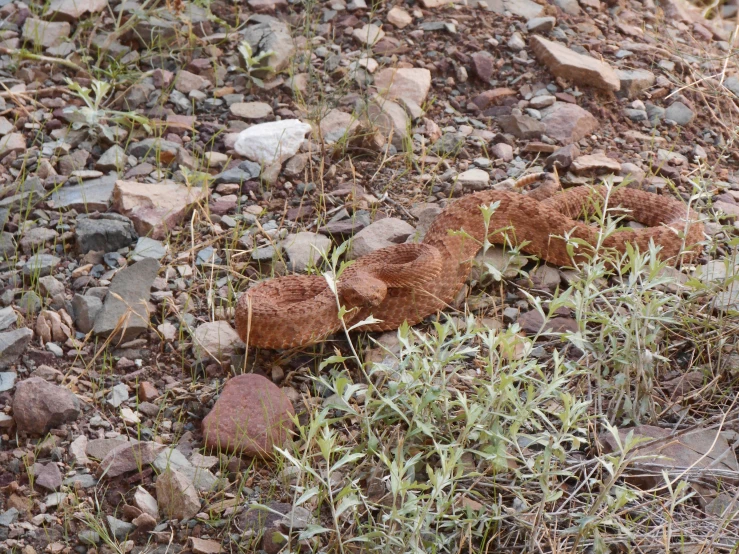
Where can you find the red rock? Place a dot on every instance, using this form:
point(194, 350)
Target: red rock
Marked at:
point(147, 391)
point(39, 406)
point(532, 323)
point(568, 123)
point(251, 416)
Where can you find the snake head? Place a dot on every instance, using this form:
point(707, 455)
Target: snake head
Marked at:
point(362, 291)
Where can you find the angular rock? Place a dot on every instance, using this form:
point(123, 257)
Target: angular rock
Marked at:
point(39, 406)
point(567, 122)
point(119, 528)
point(36, 238)
point(106, 233)
point(72, 10)
point(13, 344)
point(389, 120)
point(47, 476)
point(86, 310)
point(306, 249)
point(113, 159)
point(164, 151)
point(146, 502)
point(91, 196)
point(492, 97)
point(149, 248)
point(368, 34)
point(186, 82)
point(270, 35)
point(381, 233)
point(273, 142)
point(338, 126)
point(125, 311)
point(14, 142)
point(155, 208)
point(634, 81)
point(679, 113)
point(8, 317)
point(404, 83)
point(399, 17)
point(177, 496)
point(251, 416)
point(521, 126)
point(483, 63)
point(578, 68)
point(40, 265)
point(127, 457)
point(595, 164)
point(45, 33)
point(474, 179)
point(215, 340)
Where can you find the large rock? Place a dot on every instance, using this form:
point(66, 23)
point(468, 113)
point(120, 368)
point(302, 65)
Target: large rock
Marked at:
point(337, 126)
point(578, 68)
point(86, 310)
point(13, 344)
point(106, 233)
point(389, 120)
point(216, 340)
point(39, 406)
point(634, 81)
point(404, 83)
point(381, 233)
point(14, 142)
point(177, 496)
point(155, 208)
point(40, 265)
point(567, 122)
point(251, 416)
point(273, 142)
point(125, 310)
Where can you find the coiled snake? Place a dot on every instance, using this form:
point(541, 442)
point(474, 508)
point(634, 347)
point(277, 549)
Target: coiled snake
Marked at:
point(407, 282)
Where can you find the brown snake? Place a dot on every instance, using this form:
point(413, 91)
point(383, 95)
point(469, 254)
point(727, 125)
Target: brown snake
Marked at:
point(407, 282)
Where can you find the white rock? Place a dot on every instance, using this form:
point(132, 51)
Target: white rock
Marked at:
point(273, 142)
point(146, 502)
point(306, 249)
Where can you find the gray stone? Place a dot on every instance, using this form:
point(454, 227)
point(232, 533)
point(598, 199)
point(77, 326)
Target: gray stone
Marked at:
point(45, 33)
point(246, 171)
point(7, 380)
point(13, 344)
point(380, 234)
point(29, 302)
point(732, 83)
point(14, 142)
point(727, 300)
point(679, 113)
point(86, 309)
point(177, 496)
point(7, 243)
point(98, 449)
point(634, 81)
point(215, 340)
point(84, 480)
point(522, 126)
point(36, 238)
point(149, 248)
point(269, 34)
point(448, 145)
point(125, 310)
point(172, 458)
point(47, 476)
point(118, 395)
point(113, 159)
point(541, 24)
point(306, 249)
point(106, 233)
point(88, 537)
point(129, 456)
point(8, 317)
point(120, 528)
point(9, 517)
point(49, 286)
point(40, 264)
point(90, 196)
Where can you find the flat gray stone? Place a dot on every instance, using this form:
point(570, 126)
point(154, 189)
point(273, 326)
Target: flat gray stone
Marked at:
point(86, 309)
point(128, 316)
point(679, 113)
point(7, 380)
point(149, 248)
point(306, 249)
point(8, 317)
point(40, 265)
point(91, 196)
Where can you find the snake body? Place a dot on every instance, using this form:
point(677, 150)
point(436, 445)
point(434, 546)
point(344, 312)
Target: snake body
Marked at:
point(408, 282)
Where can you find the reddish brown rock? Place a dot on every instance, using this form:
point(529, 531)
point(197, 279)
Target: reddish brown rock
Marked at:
point(39, 406)
point(578, 68)
point(492, 97)
point(251, 416)
point(147, 392)
point(568, 123)
point(129, 456)
point(176, 495)
point(484, 65)
point(532, 323)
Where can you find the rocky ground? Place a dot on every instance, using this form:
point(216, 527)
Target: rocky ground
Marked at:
point(157, 159)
